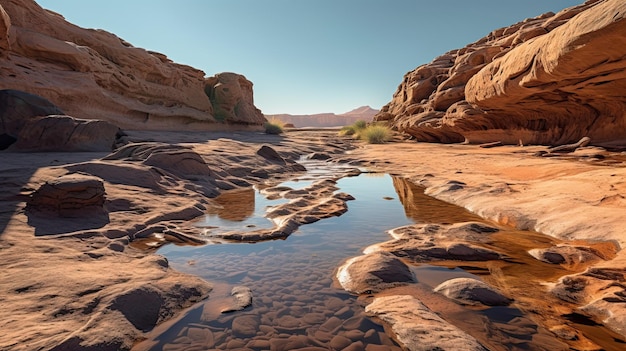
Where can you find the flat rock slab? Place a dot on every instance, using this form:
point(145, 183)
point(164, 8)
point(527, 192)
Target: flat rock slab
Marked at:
point(418, 328)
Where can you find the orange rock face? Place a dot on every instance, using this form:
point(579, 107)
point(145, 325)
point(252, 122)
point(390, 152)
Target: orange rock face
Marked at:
point(93, 74)
point(552, 79)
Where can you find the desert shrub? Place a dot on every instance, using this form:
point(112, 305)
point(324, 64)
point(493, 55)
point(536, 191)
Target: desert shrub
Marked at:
point(273, 126)
point(360, 124)
point(347, 130)
point(376, 134)
point(354, 129)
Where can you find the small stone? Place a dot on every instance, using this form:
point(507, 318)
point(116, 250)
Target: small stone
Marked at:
point(331, 324)
point(357, 346)
point(235, 344)
point(354, 335)
point(290, 343)
point(371, 337)
point(339, 342)
point(344, 312)
point(334, 303)
point(245, 326)
point(259, 344)
point(323, 336)
point(287, 322)
point(314, 318)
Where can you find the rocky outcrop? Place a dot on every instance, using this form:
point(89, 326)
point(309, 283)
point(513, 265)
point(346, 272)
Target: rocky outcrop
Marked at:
point(231, 96)
point(93, 74)
point(551, 79)
point(31, 123)
point(65, 133)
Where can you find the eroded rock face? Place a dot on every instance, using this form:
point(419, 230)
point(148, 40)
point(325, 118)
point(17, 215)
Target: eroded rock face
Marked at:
point(551, 79)
point(93, 74)
point(231, 96)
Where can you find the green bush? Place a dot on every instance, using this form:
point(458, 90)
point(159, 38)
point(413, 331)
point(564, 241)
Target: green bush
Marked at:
point(273, 127)
point(376, 134)
point(347, 130)
point(354, 129)
point(360, 124)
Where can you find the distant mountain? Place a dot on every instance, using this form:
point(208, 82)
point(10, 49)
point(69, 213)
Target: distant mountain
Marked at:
point(365, 113)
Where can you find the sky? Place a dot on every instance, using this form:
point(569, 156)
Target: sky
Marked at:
point(304, 56)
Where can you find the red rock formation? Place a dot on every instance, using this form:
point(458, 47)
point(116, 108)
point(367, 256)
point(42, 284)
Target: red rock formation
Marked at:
point(551, 79)
point(93, 74)
point(364, 113)
point(231, 95)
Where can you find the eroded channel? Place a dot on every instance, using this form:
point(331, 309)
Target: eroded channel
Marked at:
point(297, 305)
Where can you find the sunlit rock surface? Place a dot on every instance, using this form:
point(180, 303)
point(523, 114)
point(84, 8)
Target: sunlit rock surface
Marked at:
point(552, 79)
point(93, 74)
point(419, 328)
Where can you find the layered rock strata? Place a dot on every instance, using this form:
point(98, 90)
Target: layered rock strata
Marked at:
point(552, 79)
point(93, 74)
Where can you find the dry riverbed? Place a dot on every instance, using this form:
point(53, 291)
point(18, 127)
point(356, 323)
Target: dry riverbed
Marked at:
point(78, 231)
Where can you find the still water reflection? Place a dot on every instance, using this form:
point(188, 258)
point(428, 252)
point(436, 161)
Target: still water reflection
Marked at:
point(295, 303)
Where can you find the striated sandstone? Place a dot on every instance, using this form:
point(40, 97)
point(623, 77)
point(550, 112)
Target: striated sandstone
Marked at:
point(552, 79)
point(419, 328)
point(93, 74)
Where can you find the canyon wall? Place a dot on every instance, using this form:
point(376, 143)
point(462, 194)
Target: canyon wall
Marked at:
point(93, 74)
point(552, 79)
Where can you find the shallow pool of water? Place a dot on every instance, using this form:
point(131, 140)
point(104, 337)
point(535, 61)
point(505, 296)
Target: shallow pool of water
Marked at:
point(296, 304)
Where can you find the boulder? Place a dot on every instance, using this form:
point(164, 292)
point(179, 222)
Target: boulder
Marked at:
point(416, 327)
point(373, 273)
point(18, 107)
point(552, 79)
point(69, 193)
point(32, 123)
point(270, 154)
point(65, 133)
point(470, 291)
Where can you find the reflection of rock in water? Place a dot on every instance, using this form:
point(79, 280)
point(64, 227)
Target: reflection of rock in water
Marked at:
point(424, 208)
point(235, 205)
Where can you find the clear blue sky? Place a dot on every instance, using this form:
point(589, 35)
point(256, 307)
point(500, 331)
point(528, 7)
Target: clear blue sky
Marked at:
point(304, 56)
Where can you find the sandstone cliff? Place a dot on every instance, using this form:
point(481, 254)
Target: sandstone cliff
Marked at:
point(93, 74)
point(551, 79)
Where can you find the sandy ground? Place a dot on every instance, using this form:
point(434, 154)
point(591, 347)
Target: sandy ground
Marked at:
point(76, 281)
